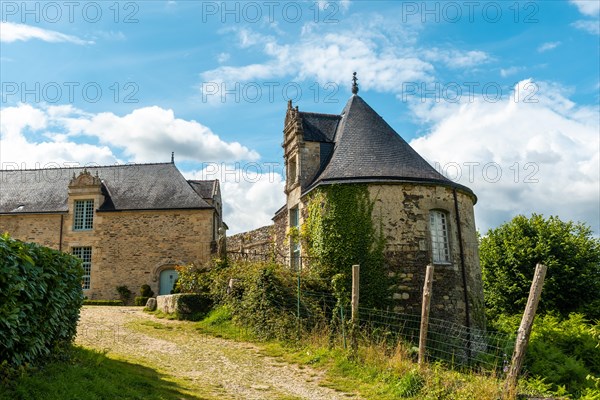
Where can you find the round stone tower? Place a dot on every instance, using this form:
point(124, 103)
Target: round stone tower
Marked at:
point(426, 218)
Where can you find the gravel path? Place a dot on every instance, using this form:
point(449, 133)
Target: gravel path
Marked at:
point(210, 367)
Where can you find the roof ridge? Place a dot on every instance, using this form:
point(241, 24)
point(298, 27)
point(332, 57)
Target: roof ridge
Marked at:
point(84, 166)
point(321, 114)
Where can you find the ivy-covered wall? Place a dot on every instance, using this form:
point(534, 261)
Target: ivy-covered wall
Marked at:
point(400, 212)
point(339, 230)
point(403, 210)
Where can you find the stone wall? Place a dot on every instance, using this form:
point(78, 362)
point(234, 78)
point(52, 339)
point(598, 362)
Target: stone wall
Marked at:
point(280, 226)
point(404, 210)
point(255, 241)
point(43, 229)
point(310, 161)
point(128, 248)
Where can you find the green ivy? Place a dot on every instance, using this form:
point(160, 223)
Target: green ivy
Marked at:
point(339, 231)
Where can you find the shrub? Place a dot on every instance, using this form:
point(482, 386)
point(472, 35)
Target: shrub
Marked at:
point(141, 300)
point(193, 306)
point(176, 288)
point(262, 298)
point(146, 291)
point(563, 352)
point(103, 302)
point(124, 293)
point(40, 298)
point(192, 279)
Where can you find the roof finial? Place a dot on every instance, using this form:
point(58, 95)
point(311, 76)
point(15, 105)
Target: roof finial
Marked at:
point(172, 157)
point(354, 84)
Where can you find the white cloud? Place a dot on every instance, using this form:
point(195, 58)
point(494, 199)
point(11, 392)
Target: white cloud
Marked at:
point(548, 46)
point(38, 135)
point(589, 26)
point(223, 57)
point(146, 134)
point(251, 192)
point(330, 5)
point(384, 56)
point(457, 58)
point(521, 157)
point(48, 147)
point(113, 36)
point(588, 7)
point(504, 72)
point(12, 32)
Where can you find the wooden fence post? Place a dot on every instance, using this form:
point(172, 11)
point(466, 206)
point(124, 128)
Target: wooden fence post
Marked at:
point(355, 291)
point(425, 313)
point(354, 306)
point(535, 292)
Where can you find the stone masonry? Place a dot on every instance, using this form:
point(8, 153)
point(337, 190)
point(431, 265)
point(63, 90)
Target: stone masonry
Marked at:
point(129, 248)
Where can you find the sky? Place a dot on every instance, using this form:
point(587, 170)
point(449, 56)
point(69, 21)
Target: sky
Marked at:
point(501, 96)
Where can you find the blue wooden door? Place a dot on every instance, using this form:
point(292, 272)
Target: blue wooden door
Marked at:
point(167, 279)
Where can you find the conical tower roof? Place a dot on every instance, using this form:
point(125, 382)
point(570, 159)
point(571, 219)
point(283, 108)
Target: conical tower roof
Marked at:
point(367, 149)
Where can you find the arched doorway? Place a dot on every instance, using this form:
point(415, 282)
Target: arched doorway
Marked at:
point(166, 281)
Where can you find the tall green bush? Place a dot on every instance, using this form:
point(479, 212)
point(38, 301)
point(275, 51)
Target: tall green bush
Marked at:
point(510, 252)
point(40, 298)
point(263, 297)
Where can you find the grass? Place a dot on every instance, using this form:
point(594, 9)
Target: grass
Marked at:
point(377, 372)
point(218, 323)
point(92, 375)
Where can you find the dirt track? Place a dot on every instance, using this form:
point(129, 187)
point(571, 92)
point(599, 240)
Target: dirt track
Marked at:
point(210, 367)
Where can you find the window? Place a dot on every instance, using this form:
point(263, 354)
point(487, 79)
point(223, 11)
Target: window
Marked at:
point(215, 231)
point(438, 225)
point(294, 217)
point(84, 215)
point(292, 171)
point(85, 255)
point(294, 242)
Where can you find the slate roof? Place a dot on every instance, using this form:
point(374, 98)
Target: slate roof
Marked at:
point(319, 127)
point(206, 189)
point(367, 149)
point(126, 187)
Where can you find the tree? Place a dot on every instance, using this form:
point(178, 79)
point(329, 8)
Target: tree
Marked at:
point(508, 256)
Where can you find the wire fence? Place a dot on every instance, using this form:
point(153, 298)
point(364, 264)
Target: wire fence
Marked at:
point(455, 345)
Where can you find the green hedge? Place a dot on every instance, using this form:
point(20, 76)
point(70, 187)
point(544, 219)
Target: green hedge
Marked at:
point(103, 302)
point(193, 306)
point(40, 298)
point(141, 300)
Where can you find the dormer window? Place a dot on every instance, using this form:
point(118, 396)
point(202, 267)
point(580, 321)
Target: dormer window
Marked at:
point(84, 215)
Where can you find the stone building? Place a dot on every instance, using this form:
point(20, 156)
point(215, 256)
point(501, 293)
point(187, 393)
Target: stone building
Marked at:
point(130, 224)
point(426, 218)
